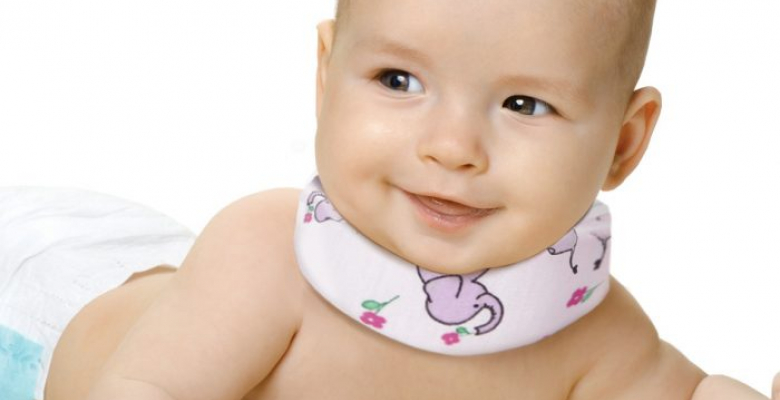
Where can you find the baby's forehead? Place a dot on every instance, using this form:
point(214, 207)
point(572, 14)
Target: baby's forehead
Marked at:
point(604, 20)
point(614, 33)
point(610, 11)
point(488, 33)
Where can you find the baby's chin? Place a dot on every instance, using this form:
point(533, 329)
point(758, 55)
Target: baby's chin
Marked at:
point(457, 257)
point(448, 255)
point(454, 269)
point(460, 261)
point(423, 257)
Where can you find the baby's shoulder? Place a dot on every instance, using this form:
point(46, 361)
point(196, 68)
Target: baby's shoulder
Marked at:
point(253, 237)
point(627, 359)
point(265, 222)
point(273, 206)
point(262, 221)
point(267, 215)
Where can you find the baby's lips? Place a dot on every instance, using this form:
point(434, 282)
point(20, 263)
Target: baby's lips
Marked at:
point(452, 208)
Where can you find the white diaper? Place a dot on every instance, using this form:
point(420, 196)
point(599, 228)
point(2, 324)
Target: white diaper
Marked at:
point(59, 249)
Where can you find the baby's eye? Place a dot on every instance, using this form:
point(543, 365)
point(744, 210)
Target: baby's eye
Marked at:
point(400, 80)
point(527, 105)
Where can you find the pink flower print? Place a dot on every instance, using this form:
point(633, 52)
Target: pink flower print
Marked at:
point(581, 295)
point(372, 319)
point(450, 338)
point(307, 218)
point(577, 297)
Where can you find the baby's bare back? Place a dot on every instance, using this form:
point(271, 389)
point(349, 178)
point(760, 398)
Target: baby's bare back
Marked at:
point(243, 322)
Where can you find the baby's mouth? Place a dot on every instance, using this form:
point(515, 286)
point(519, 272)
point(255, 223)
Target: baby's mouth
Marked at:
point(447, 215)
point(451, 208)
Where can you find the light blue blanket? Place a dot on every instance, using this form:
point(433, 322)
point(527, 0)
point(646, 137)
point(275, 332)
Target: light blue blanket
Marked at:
point(20, 365)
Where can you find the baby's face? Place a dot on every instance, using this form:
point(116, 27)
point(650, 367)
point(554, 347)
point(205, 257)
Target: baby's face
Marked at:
point(506, 106)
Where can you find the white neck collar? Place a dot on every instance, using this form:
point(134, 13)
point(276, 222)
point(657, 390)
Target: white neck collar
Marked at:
point(483, 312)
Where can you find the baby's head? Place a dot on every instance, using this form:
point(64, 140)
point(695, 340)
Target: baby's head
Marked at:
point(522, 110)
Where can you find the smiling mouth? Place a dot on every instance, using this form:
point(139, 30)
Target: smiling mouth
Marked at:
point(447, 215)
point(450, 208)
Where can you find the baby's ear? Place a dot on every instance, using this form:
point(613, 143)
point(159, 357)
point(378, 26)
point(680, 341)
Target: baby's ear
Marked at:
point(638, 124)
point(325, 31)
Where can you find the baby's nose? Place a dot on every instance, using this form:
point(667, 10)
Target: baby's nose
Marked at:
point(454, 145)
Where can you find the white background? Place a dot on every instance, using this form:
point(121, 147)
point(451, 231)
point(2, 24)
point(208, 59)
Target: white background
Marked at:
point(188, 105)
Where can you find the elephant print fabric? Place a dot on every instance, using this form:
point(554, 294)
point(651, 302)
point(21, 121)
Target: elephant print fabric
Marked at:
point(489, 310)
point(457, 299)
point(451, 299)
point(320, 208)
point(568, 243)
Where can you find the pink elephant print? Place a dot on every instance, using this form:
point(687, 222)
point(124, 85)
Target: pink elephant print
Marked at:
point(321, 209)
point(456, 299)
point(568, 244)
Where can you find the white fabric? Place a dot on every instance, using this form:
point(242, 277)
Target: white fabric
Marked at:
point(488, 311)
point(61, 248)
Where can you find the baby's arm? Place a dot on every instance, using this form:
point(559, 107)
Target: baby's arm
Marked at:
point(630, 362)
point(719, 387)
point(227, 316)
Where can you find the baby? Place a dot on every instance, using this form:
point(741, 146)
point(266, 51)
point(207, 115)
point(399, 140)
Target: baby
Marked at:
point(451, 246)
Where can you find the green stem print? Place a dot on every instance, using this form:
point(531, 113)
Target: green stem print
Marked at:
point(462, 331)
point(371, 317)
point(375, 306)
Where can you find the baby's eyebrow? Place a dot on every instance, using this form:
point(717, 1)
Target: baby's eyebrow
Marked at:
point(559, 87)
point(384, 45)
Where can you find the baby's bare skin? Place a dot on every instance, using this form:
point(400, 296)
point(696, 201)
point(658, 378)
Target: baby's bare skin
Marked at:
point(612, 353)
point(519, 107)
